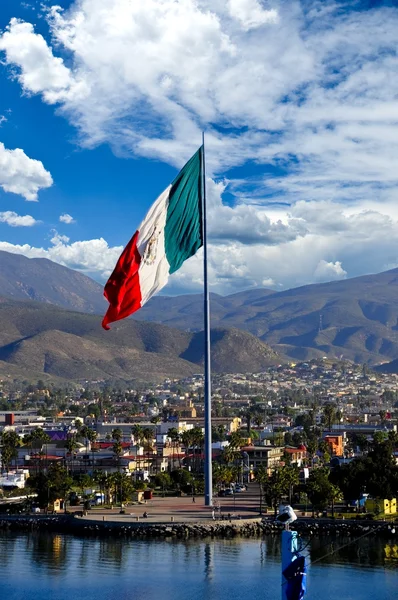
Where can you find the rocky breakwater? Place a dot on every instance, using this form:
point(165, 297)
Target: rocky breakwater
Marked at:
point(245, 528)
point(198, 530)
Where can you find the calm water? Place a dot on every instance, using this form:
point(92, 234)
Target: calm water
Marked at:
point(53, 567)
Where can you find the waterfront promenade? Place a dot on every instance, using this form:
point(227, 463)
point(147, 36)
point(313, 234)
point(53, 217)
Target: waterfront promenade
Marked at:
point(245, 505)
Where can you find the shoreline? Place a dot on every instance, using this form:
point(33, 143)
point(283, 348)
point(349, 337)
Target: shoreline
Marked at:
point(245, 528)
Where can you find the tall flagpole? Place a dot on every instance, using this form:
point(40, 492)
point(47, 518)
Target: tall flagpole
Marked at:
point(207, 373)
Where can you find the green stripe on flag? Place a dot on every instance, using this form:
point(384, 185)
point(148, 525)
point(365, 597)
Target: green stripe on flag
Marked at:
point(183, 230)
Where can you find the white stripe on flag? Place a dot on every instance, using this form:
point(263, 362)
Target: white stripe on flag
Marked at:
point(154, 268)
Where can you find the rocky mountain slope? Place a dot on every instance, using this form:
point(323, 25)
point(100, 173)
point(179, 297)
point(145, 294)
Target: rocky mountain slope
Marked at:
point(38, 338)
point(356, 318)
point(40, 279)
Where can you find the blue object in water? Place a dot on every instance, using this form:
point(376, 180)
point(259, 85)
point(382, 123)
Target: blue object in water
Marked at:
point(296, 574)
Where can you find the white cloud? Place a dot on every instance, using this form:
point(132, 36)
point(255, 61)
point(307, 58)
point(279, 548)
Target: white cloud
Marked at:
point(93, 257)
point(156, 105)
point(328, 271)
point(251, 14)
point(15, 220)
point(306, 93)
point(356, 244)
point(22, 175)
point(247, 224)
point(58, 239)
point(65, 218)
point(40, 71)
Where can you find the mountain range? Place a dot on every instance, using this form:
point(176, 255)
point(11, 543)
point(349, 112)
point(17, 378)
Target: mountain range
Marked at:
point(356, 319)
point(37, 339)
point(42, 280)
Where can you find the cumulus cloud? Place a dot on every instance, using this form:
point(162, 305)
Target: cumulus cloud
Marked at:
point(247, 224)
point(251, 14)
point(40, 71)
point(94, 257)
point(15, 220)
point(65, 218)
point(358, 244)
point(308, 82)
point(22, 175)
point(304, 90)
point(328, 271)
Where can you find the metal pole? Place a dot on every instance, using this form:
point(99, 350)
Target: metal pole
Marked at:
point(207, 369)
point(289, 552)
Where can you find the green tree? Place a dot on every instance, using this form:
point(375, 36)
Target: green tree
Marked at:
point(261, 478)
point(149, 434)
point(117, 434)
point(319, 489)
point(164, 481)
point(10, 442)
point(50, 486)
point(329, 413)
point(279, 484)
point(123, 486)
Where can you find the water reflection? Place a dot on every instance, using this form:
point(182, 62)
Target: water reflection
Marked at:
point(115, 551)
point(367, 552)
point(49, 552)
point(208, 559)
point(189, 568)
point(391, 552)
point(7, 549)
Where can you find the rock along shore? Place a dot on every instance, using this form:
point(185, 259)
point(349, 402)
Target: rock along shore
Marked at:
point(219, 529)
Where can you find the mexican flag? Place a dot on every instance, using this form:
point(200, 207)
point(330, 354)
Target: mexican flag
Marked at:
point(170, 233)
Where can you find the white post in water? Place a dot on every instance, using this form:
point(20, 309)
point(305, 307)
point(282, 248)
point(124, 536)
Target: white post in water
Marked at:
point(207, 369)
point(289, 552)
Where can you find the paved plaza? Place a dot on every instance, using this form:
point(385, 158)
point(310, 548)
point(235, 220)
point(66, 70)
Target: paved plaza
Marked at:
point(245, 505)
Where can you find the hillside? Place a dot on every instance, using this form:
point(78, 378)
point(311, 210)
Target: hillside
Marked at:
point(38, 338)
point(356, 318)
point(40, 279)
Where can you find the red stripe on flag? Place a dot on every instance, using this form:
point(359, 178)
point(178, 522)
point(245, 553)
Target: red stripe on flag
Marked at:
point(122, 289)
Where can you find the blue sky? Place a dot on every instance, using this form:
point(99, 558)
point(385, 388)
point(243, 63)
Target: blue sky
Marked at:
point(106, 99)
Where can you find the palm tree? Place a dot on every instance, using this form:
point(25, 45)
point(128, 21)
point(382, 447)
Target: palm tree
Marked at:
point(138, 434)
point(117, 434)
point(230, 455)
point(334, 495)
point(10, 443)
point(148, 437)
point(71, 446)
point(197, 442)
point(329, 413)
point(258, 420)
point(117, 448)
point(236, 440)
point(83, 432)
point(39, 438)
point(92, 436)
point(100, 478)
point(261, 478)
point(222, 474)
point(174, 437)
point(187, 441)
